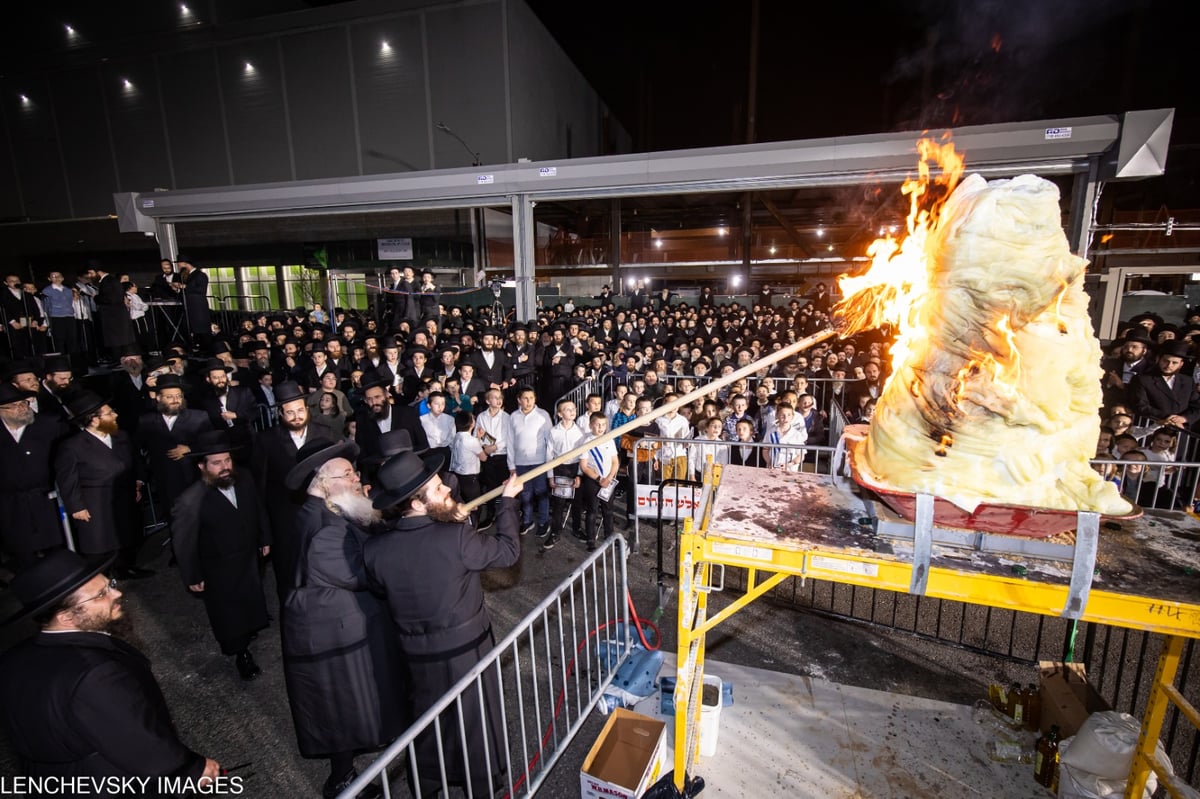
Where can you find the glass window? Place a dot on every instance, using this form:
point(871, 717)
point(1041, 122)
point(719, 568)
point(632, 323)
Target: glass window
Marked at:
point(223, 287)
point(351, 291)
point(258, 284)
point(302, 286)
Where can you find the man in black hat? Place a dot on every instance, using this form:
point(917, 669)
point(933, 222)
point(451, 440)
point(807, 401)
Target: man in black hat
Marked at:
point(1119, 372)
point(22, 375)
point(128, 387)
point(227, 405)
point(274, 456)
point(417, 375)
point(492, 365)
point(426, 563)
point(1168, 395)
point(76, 700)
point(381, 414)
point(344, 680)
point(116, 326)
point(219, 529)
point(20, 316)
point(521, 354)
point(558, 362)
point(195, 304)
point(98, 482)
point(165, 436)
point(55, 384)
point(29, 523)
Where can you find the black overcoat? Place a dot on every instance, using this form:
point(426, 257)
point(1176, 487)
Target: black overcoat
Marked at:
point(154, 439)
point(349, 697)
point(274, 457)
point(116, 326)
point(86, 704)
point(217, 544)
point(102, 481)
point(429, 574)
point(28, 514)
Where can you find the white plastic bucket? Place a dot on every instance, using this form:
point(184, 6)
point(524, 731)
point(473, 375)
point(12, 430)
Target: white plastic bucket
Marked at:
point(710, 719)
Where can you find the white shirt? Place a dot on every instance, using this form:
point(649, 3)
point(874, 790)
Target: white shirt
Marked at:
point(698, 455)
point(385, 424)
point(230, 494)
point(564, 439)
point(464, 453)
point(601, 456)
point(16, 434)
point(499, 427)
point(299, 438)
point(783, 457)
point(170, 421)
point(531, 432)
point(438, 429)
point(673, 428)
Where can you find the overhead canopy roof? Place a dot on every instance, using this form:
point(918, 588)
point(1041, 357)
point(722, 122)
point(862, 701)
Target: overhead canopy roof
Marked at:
point(1045, 147)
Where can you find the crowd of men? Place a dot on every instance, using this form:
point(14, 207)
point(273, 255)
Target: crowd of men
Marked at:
point(340, 450)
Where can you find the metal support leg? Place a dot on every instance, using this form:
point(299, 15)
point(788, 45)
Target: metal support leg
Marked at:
point(1156, 713)
point(1087, 540)
point(922, 544)
point(523, 256)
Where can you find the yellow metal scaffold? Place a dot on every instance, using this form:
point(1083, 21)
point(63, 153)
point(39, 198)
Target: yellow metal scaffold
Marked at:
point(770, 558)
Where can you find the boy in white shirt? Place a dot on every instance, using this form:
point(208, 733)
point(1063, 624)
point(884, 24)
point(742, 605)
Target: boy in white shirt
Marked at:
point(788, 458)
point(439, 426)
point(598, 468)
point(466, 455)
point(710, 441)
point(674, 454)
point(564, 437)
point(593, 404)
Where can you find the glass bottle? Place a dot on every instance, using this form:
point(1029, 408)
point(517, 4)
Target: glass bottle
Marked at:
point(1046, 757)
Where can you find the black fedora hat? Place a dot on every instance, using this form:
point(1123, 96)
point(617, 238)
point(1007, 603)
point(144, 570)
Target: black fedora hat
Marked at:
point(288, 391)
point(49, 580)
point(213, 442)
point(1175, 349)
point(312, 456)
point(10, 393)
point(402, 475)
point(391, 443)
point(81, 403)
point(169, 380)
point(213, 364)
point(56, 363)
point(373, 379)
point(19, 367)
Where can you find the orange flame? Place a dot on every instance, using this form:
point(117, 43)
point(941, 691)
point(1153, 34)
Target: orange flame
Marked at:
point(888, 291)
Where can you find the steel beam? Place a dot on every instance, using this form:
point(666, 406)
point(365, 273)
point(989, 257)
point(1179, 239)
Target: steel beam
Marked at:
point(524, 251)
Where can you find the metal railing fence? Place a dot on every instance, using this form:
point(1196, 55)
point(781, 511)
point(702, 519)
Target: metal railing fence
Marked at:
point(547, 673)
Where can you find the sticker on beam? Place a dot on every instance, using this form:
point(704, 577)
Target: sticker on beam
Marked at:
point(742, 551)
point(548, 171)
point(1058, 133)
point(485, 179)
point(844, 566)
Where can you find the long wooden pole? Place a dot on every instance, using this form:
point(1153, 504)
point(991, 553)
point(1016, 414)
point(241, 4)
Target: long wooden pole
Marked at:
point(667, 407)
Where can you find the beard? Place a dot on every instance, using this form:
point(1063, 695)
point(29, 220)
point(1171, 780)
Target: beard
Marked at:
point(167, 410)
point(107, 426)
point(449, 512)
point(223, 480)
point(355, 507)
point(381, 413)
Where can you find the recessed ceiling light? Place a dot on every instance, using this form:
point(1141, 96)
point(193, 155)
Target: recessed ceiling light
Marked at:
point(24, 99)
point(125, 82)
point(70, 31)
point(385, 48)
point(249, 68)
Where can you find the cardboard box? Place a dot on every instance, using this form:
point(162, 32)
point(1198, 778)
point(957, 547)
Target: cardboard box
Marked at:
point(1067, 698)
point(626, 759)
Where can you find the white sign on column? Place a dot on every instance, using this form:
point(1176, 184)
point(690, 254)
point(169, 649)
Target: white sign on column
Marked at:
point(395, 249)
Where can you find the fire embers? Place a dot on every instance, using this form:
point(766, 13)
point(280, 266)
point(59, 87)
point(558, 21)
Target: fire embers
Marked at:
point(995, 382)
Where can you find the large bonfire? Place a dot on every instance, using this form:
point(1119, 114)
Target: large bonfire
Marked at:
point(996, 380)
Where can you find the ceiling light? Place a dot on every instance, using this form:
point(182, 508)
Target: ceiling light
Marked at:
point(249, 70)
point(722, 231)
point(772, 250)
point(24, 99)
point(385, 48)
point(71, 31)
point(735, 281)
point(658, 243)
point(126, 84)
point(184, 10)
point(830, 248)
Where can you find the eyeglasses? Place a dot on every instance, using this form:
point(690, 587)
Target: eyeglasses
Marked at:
point(103, 593)
point(344, 476)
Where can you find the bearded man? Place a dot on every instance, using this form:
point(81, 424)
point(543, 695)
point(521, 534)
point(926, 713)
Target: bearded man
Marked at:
point(164, 437)
point(426, 563)
point(219, 529)
point(229, 406)
point(78, 701)
point(344, 680)
point(97, 478)
point(380, 415)
point(274, 456)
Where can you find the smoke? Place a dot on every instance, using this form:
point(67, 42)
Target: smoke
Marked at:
point(982, 61)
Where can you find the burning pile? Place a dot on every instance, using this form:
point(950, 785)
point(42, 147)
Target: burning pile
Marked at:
point(996, 378)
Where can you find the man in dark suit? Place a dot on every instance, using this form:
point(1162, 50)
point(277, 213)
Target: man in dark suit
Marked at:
point(55, 386)
point(116, 326)
point(274, 456)
point(165, 437)
point(20, 317)
point(218, 530)
point(98, 481)
point(128, 387)
point(492, 365)
point(380, 415)
point(166, 286)
point(76, 700)
point(1135, 359)
point(229, 406)
point(29, 523)
point(1168, 395)
point(195, 304)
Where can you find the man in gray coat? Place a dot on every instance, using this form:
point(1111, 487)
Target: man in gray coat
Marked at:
point(426, 563)
point(340, 659)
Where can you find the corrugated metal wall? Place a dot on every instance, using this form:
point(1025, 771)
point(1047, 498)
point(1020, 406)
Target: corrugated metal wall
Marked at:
point(322, 100)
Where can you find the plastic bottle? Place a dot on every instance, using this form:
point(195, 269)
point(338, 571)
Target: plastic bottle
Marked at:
point(1019, 700)
point(1033, 707)
point(1046, 757)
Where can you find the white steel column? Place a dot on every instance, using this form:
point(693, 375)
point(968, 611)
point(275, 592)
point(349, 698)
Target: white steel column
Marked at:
point(168, 247)
point(524, 252)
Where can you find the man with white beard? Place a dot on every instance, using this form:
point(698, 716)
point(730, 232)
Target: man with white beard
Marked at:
point(344, 679)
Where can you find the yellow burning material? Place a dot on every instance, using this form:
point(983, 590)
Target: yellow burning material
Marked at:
point(996, 378)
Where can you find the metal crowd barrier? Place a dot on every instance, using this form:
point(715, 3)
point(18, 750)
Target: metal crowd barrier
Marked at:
point(578, 394)
point(549, 672)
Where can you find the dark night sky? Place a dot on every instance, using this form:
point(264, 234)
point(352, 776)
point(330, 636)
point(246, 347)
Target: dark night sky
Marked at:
point(676, 73)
